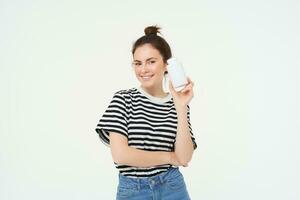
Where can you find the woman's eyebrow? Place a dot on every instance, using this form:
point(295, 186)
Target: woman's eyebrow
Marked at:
point(146, 60)
point(151, 58)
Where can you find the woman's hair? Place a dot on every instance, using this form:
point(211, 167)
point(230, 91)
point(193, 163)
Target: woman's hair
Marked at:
point(156, 41)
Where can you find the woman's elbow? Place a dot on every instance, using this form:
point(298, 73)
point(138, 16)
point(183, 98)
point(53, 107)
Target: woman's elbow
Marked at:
point(184, 162)
point(184, 159)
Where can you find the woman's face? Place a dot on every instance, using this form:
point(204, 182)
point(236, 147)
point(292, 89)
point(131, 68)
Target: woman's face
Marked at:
point(149, 66)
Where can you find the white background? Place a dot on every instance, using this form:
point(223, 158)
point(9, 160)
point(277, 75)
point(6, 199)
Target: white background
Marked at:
point(61, 62)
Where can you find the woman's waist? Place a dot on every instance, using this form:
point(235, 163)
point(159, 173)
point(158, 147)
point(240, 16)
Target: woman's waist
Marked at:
point(161, 177)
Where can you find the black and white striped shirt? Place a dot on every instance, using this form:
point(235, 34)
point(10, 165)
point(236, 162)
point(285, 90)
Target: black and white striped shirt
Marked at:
point(148, 122)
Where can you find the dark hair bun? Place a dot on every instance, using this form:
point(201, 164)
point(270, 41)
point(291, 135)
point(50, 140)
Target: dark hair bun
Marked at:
point(152, 30)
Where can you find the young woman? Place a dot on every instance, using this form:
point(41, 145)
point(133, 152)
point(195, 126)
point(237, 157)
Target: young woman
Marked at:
point(149, 131)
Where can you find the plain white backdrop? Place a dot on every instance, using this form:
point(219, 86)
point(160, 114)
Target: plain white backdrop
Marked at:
point(61, 62)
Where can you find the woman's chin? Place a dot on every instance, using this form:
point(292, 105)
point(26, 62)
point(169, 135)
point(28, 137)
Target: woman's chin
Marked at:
point(147, 84)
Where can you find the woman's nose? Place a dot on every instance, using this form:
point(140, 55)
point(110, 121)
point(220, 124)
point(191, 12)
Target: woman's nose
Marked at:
point(144, 67)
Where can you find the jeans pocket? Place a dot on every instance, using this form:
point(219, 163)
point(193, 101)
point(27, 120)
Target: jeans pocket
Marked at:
point(175, 183)
point(125, 192)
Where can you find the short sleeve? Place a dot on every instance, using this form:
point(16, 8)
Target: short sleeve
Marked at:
point(114, 119)
point(190, 127)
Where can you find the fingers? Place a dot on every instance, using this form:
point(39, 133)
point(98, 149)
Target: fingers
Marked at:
point(190, 81)
point(189, 86)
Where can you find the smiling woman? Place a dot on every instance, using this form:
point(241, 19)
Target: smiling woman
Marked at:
point(149, 69)
point(150, 53)
point(148, 130)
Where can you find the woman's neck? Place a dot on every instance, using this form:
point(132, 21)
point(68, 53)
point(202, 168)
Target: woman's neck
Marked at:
point(156, 92)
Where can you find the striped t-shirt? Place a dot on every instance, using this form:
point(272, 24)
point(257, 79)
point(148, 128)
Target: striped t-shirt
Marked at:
point(149, 123)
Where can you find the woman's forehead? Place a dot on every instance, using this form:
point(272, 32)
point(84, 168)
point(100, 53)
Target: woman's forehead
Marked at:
point(145, 52)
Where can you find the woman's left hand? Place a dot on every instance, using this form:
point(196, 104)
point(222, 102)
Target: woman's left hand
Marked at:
point(183, 97)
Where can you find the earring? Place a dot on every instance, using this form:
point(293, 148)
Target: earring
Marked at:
point(165, 86)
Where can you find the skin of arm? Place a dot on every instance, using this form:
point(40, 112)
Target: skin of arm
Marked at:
point(184, 146)
point(126, 155)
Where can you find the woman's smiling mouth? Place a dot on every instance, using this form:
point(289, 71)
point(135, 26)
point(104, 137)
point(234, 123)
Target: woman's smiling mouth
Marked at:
point(146, 78)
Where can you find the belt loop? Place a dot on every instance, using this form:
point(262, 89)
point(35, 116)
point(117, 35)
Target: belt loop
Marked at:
point(139, 183)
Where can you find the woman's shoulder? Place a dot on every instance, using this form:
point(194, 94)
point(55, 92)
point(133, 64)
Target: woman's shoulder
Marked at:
point(126, 92)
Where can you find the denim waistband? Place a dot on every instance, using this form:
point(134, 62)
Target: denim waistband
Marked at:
point(148, 181)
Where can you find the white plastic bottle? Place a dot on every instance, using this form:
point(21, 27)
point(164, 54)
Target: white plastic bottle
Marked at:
point(177, 74)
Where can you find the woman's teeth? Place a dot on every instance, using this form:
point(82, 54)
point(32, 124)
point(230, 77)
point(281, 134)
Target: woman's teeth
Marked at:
point(146, 77)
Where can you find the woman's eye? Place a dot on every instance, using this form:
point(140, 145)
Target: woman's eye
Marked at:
point(152, 62)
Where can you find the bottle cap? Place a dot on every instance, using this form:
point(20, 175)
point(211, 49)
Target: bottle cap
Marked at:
point(170, 60)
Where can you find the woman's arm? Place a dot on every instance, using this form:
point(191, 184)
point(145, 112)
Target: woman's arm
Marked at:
point(184, 146)
point(126, 155)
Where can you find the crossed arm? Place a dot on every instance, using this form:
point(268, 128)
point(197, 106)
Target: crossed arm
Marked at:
point(126, 155)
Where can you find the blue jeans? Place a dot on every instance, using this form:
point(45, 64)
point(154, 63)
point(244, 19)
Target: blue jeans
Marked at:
point(167, 185)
